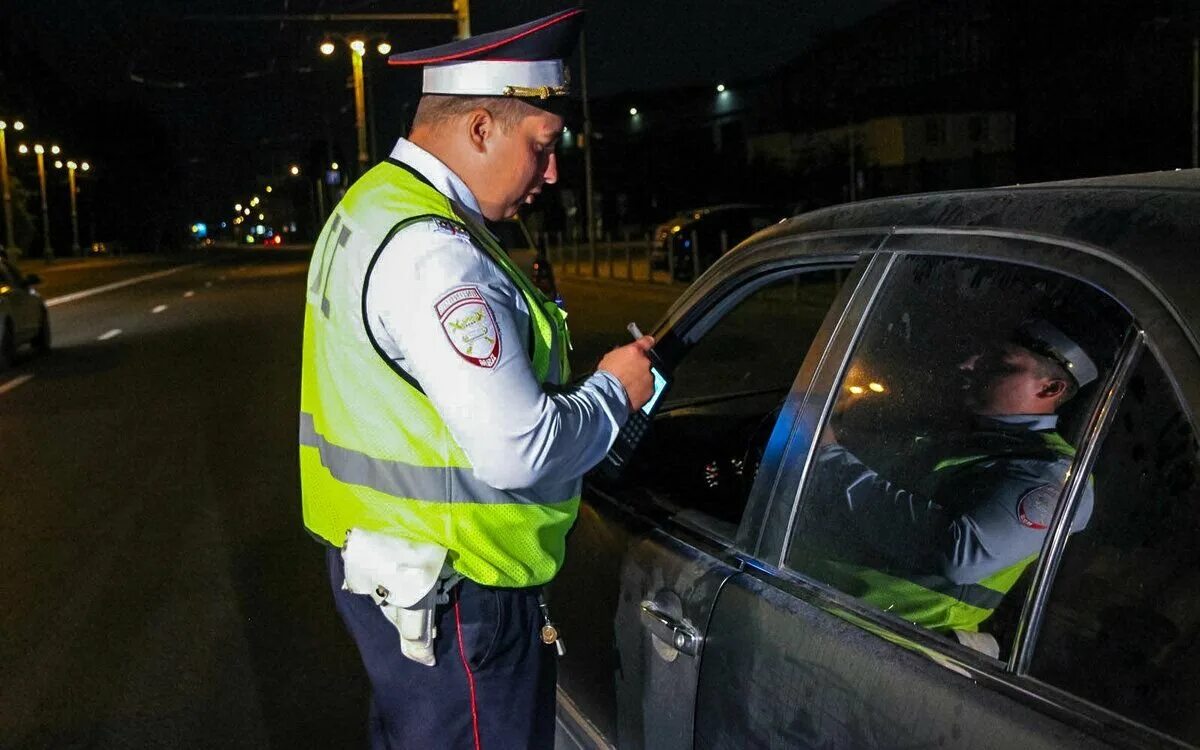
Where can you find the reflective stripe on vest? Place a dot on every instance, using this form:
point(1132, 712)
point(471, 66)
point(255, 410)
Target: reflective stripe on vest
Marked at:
point(374, 453)
point(439, 484)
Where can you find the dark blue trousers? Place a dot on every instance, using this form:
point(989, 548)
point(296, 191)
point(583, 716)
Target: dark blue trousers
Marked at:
point(492, 687)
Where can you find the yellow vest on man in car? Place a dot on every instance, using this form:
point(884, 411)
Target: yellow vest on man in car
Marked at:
point(374, 453)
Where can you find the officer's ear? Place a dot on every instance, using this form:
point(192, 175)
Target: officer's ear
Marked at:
point(1053, 389)
point(480, 127)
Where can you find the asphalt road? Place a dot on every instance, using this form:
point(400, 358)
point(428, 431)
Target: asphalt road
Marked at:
point(158, 589)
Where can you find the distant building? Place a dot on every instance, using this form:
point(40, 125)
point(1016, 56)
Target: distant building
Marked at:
point(917, 97)
point(900, 153)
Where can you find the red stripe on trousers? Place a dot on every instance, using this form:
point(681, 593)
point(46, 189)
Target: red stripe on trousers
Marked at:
point(470, 677)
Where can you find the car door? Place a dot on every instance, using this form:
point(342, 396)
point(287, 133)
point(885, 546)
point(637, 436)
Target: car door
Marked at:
point(19, 303)
point(651, 550)
point(796, 658)
point(13, 303)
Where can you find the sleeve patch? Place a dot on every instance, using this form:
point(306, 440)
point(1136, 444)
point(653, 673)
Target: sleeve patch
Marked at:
point(470, 326)
point(1036, 506)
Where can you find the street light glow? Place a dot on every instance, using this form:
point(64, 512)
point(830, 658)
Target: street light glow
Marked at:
point(55, 150)
point(72, 165)
point(261, 217)
point(633, 111)
point(334, 166)
point(85, 166)
point(237, 206)
point(39, 149)
point(294, 170)
point(359, 47)
point(327, 48)
point(18, 125)
point(58, 164)
point(23, 149)
point(383, 48)
point(269, 188)
point(720, 88)
point(246, 211)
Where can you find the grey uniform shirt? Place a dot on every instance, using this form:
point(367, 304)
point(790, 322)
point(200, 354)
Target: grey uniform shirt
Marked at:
point(964, 526)
point(517, 433)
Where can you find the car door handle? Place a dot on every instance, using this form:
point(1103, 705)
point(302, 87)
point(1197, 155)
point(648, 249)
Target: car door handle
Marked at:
point(681, 636)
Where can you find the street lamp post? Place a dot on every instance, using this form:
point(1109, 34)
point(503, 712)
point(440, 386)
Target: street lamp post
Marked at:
point(358, 50)
point(40, 150)
point(71, 167)
point(316, 199)
point(10, 242)
point(462, 17)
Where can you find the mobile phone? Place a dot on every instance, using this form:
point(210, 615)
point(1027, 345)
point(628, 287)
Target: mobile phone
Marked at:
point(634, 431)
point(660, 385)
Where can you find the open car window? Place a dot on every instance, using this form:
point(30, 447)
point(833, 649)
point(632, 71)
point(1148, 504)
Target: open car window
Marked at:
point(704, 445)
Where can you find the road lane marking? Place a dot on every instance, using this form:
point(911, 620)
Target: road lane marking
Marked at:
point(159, 309)
point(109, 334)
point(115, 285)
point(15, 383)
point(189, 293)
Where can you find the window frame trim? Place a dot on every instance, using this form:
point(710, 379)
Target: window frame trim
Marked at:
point(720, 287)
point(1054, 547)
point(731, 292)
point(816, 383)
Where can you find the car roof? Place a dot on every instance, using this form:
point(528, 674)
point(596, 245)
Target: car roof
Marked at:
point(1150, 222)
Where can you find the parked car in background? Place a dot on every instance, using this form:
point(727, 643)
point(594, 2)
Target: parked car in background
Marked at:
point(110, 247)
point(714, 229)
point(23, 315)
point(696, 597)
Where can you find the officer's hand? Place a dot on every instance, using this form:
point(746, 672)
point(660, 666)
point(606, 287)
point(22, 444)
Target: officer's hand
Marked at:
point(630, 365)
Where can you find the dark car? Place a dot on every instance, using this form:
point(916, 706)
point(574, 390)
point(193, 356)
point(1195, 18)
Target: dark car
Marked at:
point(696, 598)
point(23, 315)
point(711, 231)
point(111, 247)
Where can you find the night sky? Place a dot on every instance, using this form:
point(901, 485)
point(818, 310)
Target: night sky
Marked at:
point(196, 110)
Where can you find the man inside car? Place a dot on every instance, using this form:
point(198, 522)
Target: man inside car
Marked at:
point(944, 553)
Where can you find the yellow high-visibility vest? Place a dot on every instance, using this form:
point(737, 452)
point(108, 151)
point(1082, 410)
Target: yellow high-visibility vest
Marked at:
point(374, 453)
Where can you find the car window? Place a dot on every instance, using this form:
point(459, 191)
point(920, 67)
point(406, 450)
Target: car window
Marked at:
point(952, 429)
point(706, 441)
point(1121, 622)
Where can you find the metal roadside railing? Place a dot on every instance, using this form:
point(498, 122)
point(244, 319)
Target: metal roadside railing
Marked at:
point(626, 257)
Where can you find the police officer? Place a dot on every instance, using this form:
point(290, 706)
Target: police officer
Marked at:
point(438, 429)
point(944, 554)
